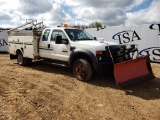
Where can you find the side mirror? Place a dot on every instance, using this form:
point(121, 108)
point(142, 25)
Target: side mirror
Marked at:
point(59, 40)
point(95, 38)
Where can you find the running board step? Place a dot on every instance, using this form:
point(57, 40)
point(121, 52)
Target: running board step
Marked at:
point(52, 63)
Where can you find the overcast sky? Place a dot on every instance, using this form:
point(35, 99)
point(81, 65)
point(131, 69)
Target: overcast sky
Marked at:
point(79, 12)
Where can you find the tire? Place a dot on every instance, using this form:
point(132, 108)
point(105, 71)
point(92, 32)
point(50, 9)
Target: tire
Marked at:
point(82, 70)
point(21, 60)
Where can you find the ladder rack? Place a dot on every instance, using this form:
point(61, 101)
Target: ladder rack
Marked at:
point(29, 25)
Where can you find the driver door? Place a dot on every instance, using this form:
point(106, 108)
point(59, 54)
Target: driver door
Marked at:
point(60, 51)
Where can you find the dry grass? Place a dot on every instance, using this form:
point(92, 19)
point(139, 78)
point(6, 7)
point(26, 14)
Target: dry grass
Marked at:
point(45, 92)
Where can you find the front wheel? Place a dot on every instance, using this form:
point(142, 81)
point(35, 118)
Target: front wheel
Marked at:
point(21, 60)
point(82, 70)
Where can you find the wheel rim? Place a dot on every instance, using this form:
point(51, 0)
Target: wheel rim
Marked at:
point(79, 69)
point(20, 59)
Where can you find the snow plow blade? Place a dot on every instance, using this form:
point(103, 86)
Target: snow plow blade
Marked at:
point(133, 71)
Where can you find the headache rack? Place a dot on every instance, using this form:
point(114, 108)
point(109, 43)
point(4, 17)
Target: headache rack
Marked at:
point(30, 24)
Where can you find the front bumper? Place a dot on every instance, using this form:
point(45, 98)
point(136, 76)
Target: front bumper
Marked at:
point(103, 66)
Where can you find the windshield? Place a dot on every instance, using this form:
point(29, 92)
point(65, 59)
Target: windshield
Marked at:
point(76, 34)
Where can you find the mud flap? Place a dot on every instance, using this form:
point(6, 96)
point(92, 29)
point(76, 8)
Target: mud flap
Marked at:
point(132, 71)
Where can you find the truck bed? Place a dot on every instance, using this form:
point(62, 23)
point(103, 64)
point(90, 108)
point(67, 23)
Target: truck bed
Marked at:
point(26, 40)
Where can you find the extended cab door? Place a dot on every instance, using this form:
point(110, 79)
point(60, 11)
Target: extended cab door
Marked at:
point(60, 51)
point(44, 45)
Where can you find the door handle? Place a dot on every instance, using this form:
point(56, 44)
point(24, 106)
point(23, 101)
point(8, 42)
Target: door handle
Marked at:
point(48, 45)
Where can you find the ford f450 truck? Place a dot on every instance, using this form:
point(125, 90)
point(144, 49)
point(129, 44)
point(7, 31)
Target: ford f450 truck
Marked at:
point(77, 49)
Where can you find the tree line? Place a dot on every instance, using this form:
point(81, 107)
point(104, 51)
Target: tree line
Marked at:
point(95, 25)
point(91, 25)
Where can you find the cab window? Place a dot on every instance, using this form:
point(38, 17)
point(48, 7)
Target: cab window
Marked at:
point(45, 35)
point(57, 33)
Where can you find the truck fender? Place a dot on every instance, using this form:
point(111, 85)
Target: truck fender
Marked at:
point(19, 50)
point(81, 53)
point(14, 56)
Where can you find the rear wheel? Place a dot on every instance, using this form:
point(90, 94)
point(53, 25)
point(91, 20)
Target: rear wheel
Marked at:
point(82, 70)
point(21, 60)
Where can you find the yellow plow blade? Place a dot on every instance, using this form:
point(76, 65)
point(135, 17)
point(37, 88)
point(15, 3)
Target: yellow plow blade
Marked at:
point(132, 71)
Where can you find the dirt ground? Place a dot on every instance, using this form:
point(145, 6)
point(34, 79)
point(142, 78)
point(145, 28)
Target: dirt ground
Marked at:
point(45, 92)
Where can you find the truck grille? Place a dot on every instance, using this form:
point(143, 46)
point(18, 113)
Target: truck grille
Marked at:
point(117, 52)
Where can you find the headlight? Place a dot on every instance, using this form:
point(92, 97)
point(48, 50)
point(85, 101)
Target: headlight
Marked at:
point(99, 52)
point(100, 55)
point(100, 58)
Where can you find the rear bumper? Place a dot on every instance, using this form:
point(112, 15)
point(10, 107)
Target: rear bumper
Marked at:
point(103, 66)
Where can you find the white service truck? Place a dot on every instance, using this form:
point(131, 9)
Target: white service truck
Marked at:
point(68, 47)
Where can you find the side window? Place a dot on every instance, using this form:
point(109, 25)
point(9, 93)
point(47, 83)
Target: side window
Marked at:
point(46, 34)
point(57, 33)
